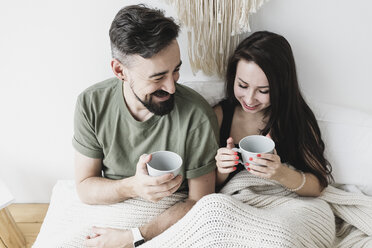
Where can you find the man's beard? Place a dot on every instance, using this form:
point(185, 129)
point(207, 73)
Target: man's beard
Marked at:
point(160, 108)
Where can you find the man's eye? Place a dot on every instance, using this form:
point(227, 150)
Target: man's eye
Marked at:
point(158, 79)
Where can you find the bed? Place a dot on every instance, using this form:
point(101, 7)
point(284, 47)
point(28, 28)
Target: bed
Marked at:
point(249, 211)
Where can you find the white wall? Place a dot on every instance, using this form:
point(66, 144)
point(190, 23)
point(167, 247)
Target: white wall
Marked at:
point(331, 41)
point(52, 50)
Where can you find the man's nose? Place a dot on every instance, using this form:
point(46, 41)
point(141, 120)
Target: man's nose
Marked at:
point(169, 86)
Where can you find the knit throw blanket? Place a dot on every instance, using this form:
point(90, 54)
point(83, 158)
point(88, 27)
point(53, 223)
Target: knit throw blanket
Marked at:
point(248, 212)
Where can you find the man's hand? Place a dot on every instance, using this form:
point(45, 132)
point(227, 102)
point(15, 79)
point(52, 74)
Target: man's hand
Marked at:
point(109, 237)
point(153, 188)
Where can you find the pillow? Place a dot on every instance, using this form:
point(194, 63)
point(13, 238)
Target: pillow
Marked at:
point(347, 134)
point(212, 91)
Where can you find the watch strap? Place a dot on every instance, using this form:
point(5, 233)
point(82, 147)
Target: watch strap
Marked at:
point(137, 237)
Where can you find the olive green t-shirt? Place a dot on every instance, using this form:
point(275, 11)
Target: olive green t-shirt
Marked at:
point(104, 128)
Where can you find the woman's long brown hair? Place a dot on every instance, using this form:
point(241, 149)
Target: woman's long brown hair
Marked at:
point(291, 123)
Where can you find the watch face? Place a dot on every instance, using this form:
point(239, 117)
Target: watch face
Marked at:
point(139, 242)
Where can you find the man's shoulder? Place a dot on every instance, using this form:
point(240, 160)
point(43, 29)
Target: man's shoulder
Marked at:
point(100, 87)
point(192, 100)
point(100, 90)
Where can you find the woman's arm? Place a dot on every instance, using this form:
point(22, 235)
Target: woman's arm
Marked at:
point(219, 113)
point(221, 174)
point(305, 184)
point(293, 179)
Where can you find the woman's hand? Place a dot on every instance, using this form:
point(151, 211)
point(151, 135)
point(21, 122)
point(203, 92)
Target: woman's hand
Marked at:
point(272, 167)
point(226, 158)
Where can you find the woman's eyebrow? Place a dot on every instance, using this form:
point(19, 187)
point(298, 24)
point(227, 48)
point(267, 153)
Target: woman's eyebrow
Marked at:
point(248, 83)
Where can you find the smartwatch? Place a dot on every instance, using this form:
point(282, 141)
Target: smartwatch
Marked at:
point(137, 237)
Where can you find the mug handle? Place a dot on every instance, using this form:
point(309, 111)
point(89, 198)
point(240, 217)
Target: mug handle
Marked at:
point(238, 151)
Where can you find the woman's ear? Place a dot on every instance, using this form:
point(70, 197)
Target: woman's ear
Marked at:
point(118, 69)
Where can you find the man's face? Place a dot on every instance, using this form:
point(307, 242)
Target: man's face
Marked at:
point(152, 80)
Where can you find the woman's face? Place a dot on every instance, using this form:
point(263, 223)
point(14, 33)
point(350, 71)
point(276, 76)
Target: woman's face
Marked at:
point(251, 87)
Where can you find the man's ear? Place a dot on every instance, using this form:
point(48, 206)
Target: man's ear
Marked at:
point(118, 69)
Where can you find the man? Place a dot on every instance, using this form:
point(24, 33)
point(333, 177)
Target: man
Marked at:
point(140, 111)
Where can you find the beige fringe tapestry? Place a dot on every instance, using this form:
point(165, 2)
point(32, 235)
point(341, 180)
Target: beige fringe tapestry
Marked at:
point(213, 29)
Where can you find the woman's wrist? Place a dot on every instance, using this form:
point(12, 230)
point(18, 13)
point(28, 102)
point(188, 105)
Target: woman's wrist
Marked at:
point(221, 178)
point(301, 185)
point(282, 175)
point(291, 179)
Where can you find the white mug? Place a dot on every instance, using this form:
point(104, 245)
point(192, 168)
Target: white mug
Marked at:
point(164, 162)
point(252, 145)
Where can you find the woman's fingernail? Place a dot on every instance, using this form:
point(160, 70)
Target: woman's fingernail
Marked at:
point(247, 164)
point(236, 162)
point(235, 153)
point(234, 168)
point(248, 169)
point(250, 159)
point(259, 155)
point(237, 157)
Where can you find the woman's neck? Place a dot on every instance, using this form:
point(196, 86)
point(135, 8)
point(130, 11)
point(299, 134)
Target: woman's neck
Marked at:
point(245, 124)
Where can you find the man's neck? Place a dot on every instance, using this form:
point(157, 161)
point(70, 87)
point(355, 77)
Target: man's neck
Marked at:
point(135, 107)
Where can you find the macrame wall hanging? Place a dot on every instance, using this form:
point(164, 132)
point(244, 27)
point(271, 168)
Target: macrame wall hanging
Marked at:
point(213, 29)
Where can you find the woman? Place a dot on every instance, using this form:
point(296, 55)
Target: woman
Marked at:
point(263, 97)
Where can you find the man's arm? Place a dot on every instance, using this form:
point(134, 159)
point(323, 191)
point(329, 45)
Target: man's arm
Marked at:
point(198, 187)
point(92, 188)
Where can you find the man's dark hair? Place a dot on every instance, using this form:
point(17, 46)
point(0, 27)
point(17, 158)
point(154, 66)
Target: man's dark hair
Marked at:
point(138, 30)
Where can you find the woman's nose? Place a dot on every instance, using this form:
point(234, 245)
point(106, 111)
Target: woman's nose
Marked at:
point(250, 97)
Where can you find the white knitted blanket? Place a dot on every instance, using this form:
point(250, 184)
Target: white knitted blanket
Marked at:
point(250, 212)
